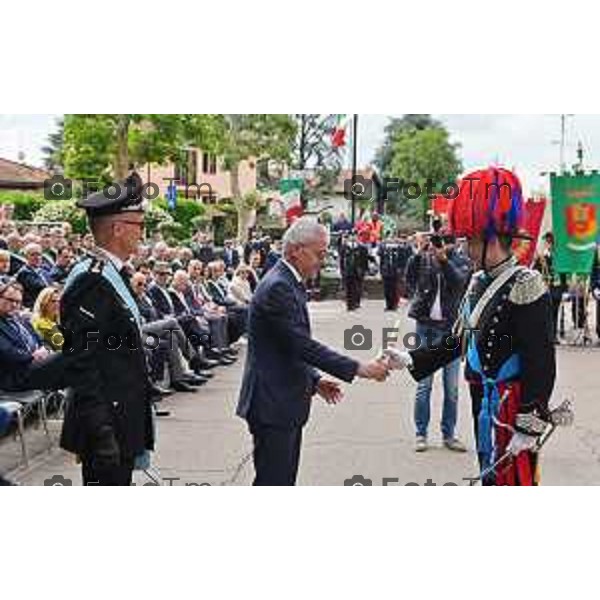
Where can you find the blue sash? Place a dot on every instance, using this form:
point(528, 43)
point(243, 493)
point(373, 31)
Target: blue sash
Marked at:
point(490, 406)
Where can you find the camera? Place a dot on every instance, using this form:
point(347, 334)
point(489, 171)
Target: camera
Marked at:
point(58, 188)
point(358, 480)
point(437, 241)
point(58, 480)
point(358, 338)
point(358, 189)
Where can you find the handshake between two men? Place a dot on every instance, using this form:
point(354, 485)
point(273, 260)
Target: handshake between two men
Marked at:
point(379, 369)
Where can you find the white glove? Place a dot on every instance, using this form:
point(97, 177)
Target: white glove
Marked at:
point(596, 293)
point(398, 360)
point(521, 443)
point(566, 297)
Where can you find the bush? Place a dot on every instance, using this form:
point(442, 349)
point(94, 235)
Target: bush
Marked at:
point(60, 211)
point(185, 212)
point(26, 203)
point(157, 218)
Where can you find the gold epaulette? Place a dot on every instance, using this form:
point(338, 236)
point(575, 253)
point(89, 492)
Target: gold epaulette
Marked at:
point(529, 287)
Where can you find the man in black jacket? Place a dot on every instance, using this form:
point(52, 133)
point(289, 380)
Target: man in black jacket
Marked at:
point(436, 280)
point(354, 259)
point(33, 277)
point(281, 377)
point(108, 419)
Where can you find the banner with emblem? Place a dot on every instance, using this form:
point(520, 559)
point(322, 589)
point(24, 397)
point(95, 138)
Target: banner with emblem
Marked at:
point(575, 211)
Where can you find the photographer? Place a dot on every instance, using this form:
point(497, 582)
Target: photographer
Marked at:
point(436, 277)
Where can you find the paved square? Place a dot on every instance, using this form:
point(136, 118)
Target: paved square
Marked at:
point(370, 434)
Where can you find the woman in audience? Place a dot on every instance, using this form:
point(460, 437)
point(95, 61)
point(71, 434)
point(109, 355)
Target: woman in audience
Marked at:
point(46, 318)
point(253, 270)
point(240, 289)
point(4, 263)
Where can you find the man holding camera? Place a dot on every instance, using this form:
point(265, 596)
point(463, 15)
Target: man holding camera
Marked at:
point(436, 279)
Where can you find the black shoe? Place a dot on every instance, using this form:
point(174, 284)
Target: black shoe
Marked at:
point(182, 386)
point(226, 361)
point(196, 380)
point(162, 413)
point(4, 481)
point(159, 392)
point(207, 363)
point(205, 374)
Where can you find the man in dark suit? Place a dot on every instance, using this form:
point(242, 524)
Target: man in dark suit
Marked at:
point(33, 277)
point(281, 376)
point(231, 257)
point(203, 249)
point(108, 419)
point(60, 271)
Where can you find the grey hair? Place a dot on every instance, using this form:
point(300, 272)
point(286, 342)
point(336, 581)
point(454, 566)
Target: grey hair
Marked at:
point(302, 232)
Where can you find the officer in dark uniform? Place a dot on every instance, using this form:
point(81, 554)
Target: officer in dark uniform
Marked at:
point(405, 254)
point(504, 331)
point(355, 260)
point(108, 420)
point(389, 267)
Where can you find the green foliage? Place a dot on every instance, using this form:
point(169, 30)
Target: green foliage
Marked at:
point(257, 136)
point(53, 152)
point(60, 211)
point(156, 217)
point(326, 218)
point(419, 122)
point(419, 156)
point(95, 146)
point(185, 213)
point(26, 203)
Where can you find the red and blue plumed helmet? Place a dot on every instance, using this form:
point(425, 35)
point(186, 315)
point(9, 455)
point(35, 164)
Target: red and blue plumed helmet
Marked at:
point(489, 204)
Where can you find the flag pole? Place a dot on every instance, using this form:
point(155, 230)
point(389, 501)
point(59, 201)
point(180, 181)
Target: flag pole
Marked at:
point(354, 165)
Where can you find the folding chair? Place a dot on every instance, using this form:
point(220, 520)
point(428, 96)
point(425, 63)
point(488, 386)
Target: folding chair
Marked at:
point(13, 413)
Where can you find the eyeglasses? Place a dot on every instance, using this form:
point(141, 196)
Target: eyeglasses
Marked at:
point(13, 301)
point(140, 224)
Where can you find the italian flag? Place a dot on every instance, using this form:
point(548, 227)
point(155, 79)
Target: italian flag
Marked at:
point(338, 136)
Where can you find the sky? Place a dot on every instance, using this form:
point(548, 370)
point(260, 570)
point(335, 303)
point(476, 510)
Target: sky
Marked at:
point(527, 143)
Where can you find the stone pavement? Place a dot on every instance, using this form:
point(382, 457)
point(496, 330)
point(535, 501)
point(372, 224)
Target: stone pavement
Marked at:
point(370, 434)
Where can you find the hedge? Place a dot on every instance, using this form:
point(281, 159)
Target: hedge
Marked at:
point(26, 203)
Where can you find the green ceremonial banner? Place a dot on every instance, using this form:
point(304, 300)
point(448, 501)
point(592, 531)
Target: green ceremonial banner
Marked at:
point(575, 212)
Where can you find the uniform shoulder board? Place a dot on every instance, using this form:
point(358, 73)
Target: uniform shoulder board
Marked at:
point(529, 287)
point(96, 265)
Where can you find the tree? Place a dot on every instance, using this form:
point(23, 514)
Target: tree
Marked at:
point(424, 157)
point(257, 137)
point(102, 147)
point(53, 152)
point(383, 157)
point(313, 149)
